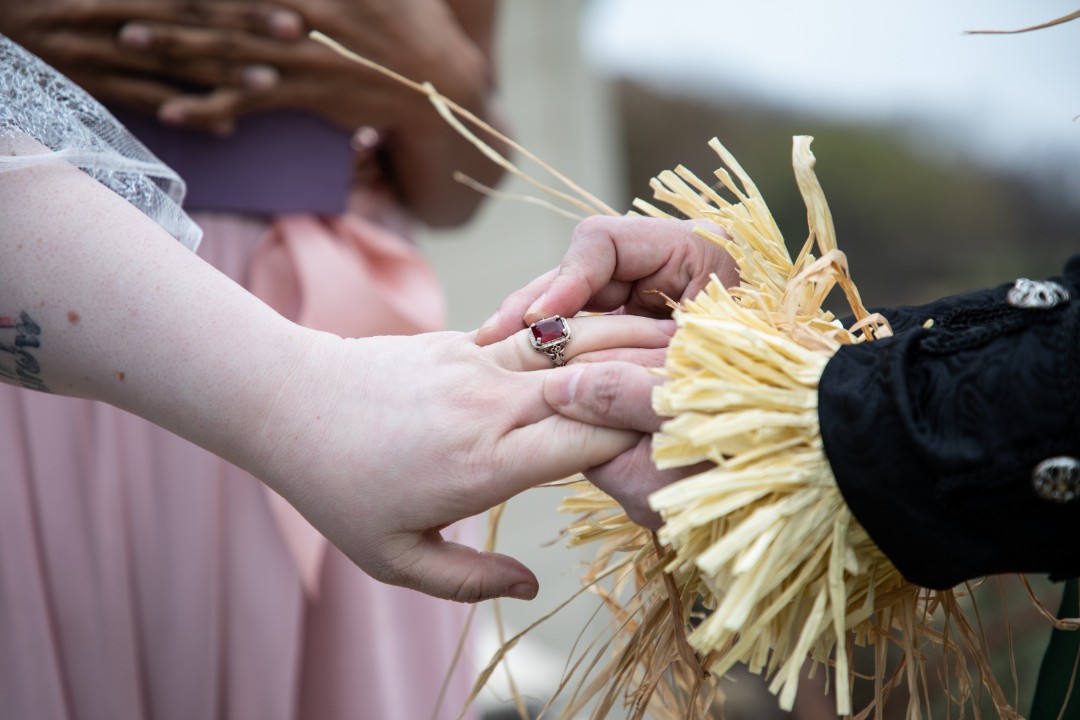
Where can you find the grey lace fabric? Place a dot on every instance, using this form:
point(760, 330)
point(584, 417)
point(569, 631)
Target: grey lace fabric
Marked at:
point(38, 102)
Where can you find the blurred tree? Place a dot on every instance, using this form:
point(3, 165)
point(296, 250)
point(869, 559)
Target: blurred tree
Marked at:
point(917, 221)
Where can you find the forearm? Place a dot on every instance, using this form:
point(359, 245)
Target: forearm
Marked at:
point(129, 317)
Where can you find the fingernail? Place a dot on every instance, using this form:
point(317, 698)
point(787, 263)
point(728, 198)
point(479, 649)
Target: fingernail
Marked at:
point(561, 386)
point(135, 36)
point(171, 114)
point(537, 307)
point(668, 326)
point(521, 591)
point(285, 24)
point(260, 77)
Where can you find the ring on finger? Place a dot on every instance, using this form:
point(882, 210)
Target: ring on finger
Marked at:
point(550, 336)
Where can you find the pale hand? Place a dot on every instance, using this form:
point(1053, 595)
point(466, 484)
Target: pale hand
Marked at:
point(381, 442)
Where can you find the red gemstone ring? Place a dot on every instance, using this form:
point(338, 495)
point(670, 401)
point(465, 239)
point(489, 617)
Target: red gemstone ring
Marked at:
point(550, 336)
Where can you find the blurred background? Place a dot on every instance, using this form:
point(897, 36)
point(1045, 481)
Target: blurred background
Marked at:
point(949, 161)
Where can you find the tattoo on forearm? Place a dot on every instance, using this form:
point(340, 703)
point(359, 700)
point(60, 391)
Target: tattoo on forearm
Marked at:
point(18, 336)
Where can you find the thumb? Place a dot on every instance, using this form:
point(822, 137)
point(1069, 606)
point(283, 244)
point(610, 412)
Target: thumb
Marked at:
point(457, 572)
point(612, 394)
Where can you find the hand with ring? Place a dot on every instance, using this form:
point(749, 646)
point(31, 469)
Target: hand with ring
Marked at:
point(440, 429)
point(612, 265)
point(550, 336)
point(380, 442)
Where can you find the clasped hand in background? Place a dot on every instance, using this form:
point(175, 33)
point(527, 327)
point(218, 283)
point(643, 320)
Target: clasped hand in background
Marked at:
point(244, 56)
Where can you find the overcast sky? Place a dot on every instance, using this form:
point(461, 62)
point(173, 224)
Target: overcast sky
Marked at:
point(1011, 97)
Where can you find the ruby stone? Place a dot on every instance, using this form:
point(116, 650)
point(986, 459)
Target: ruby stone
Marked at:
point(549, 330)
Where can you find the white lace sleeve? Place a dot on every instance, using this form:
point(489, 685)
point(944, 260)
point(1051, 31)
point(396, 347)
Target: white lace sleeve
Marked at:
point(71, 127)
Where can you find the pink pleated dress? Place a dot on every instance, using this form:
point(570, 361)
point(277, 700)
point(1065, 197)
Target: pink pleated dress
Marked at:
point(142, 578)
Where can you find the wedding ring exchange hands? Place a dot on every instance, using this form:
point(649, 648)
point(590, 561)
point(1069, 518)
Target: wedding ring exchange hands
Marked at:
point(455, 423)
point(467, 430)
point(485, 415)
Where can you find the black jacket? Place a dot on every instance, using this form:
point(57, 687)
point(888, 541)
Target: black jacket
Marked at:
point(958, 446)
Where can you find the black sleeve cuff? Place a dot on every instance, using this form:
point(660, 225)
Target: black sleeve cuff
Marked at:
point(936, 436)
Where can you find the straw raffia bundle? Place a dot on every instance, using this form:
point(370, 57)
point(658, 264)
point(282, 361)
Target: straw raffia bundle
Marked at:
point(763, 559)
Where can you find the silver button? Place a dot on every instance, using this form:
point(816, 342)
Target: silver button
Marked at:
point(1057, 479)
point(1037, 294)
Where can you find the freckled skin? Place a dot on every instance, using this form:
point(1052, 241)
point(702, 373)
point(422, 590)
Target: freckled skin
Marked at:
point(73, 317)
point(120, 375)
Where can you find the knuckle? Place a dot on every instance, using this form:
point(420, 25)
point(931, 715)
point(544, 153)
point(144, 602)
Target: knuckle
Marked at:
point(603, 388)
point(592, 225)
point(595, 230)
point(471, 587)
